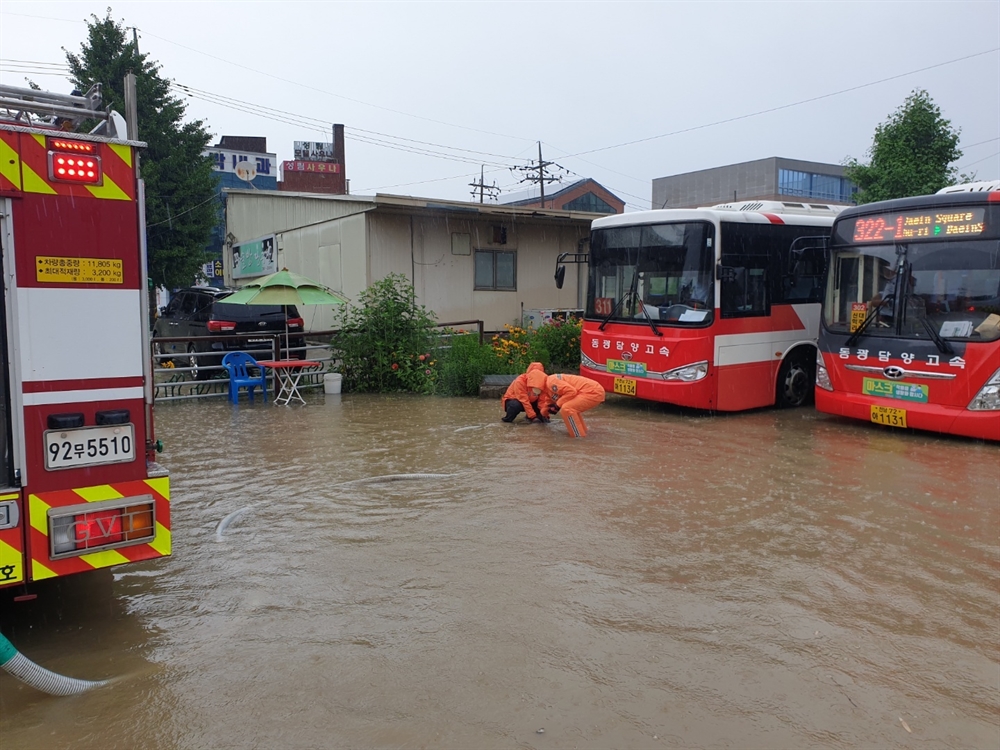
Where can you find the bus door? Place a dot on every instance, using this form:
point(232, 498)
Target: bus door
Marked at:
point(744, 350)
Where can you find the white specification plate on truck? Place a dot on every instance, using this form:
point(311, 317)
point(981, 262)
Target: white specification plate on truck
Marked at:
point(89, 446)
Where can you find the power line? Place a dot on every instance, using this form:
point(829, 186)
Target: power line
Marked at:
point(541, 177)
point(985, 158)
point(330, 93)
point(787, 106)
point(312, 123)
point(369, 137)
point(484, 189)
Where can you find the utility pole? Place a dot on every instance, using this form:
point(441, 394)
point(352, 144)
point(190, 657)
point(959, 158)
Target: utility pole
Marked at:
point(482, 187)
point(135, 39)
point(541, 177)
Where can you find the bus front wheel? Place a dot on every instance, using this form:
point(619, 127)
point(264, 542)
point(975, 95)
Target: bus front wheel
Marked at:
point(796, 381)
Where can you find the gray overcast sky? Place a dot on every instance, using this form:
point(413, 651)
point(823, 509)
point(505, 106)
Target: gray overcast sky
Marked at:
point(583, 78)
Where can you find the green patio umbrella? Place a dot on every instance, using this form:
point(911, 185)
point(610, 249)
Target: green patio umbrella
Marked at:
point(285, 288)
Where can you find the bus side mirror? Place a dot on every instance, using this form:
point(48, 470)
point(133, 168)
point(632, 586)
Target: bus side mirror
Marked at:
point(725, 273)
point(560, 276)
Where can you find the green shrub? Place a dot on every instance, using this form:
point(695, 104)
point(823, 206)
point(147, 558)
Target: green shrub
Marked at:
point(513, 348)
point(384, 342)
point(560, 341)
point(462, 363)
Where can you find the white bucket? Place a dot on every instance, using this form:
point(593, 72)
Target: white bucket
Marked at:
point(331, 383)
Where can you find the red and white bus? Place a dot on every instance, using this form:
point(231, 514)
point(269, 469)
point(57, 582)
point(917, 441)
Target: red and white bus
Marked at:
point(79, 485)
point(911, 321)
point(711, 308)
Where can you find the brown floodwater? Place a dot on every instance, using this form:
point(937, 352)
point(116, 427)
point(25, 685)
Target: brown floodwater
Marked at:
point(777, 579)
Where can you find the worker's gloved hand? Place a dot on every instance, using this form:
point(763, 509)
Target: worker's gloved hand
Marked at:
point(554, 409)
point(543, 418)
point(529, 419)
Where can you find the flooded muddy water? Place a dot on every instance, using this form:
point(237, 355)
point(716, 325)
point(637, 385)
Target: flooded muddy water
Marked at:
point(763, 580)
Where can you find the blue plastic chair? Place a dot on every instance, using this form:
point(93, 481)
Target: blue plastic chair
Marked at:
point(238, 364)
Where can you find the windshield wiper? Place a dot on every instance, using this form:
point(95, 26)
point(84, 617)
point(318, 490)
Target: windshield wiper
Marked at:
point(628, 296)
point(652, 323)
point(868, 321)
point(943, 346)
point(614, 310)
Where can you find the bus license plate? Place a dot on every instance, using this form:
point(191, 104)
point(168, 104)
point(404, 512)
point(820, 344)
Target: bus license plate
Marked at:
point(889, 415)
point(89, 446)
point(625, 385)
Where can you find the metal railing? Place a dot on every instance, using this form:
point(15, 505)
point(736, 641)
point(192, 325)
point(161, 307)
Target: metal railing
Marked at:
point(196, 371)
point(202, 375)
point(477, 323)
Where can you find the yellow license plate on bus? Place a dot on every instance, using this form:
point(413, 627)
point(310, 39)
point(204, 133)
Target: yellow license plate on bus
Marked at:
point(889, 415)
point(625, 386)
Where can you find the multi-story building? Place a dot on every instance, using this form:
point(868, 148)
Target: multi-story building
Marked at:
point(774, 179)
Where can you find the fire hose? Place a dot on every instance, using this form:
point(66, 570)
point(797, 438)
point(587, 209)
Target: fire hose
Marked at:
point(18, 665)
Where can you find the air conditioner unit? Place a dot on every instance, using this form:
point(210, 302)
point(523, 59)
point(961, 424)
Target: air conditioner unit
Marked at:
point(538, 318)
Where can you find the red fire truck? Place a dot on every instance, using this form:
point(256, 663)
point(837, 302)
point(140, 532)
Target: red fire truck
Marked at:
point(79, 485)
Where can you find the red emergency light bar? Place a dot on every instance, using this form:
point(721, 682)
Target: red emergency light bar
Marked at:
point(65, 167)
point(77, 147)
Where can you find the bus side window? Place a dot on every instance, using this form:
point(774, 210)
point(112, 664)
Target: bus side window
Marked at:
point(744, 249)
point(804, 281)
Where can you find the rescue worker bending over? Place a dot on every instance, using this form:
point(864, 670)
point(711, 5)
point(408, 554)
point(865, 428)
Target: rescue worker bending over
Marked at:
point(527, 393)
point(573, 395)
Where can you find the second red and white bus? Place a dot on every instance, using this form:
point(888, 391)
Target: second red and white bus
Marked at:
point(711, 308)
point(911, 323)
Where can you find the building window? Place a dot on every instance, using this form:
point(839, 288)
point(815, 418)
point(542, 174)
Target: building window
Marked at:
point(496, 270)
point(825, 187)
point(589, 202)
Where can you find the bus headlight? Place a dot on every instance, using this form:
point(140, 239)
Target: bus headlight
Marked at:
point(988, 398)
point(822, 376)
point(688, 373)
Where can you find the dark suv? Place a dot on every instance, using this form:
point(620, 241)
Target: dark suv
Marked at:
point(202, 313)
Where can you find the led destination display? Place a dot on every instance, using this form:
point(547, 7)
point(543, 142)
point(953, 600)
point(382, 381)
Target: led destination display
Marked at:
point(915, 225)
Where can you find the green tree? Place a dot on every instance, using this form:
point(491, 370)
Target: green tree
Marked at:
point(384, 343)
point(911, 153)
point(180, 185)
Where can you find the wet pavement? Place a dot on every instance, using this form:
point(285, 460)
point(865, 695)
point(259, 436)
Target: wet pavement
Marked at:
point(763, 580)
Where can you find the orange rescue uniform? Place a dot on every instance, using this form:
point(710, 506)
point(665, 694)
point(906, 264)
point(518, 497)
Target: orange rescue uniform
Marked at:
point(520, 390)
point(574, 394)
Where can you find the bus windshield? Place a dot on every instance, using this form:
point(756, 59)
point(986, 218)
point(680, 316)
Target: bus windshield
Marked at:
point(659, 272)
point(948, 290)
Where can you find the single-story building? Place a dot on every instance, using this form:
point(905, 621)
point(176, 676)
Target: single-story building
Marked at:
point(466, 261)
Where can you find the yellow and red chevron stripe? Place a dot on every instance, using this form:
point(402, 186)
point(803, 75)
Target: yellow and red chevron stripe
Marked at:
point(41, 563)
point(11, 550)
point(10, 161)
point(24, 166)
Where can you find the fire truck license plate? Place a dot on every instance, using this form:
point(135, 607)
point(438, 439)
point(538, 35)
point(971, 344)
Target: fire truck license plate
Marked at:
point(625, 385)
point(89, 446)
point(889, 415)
